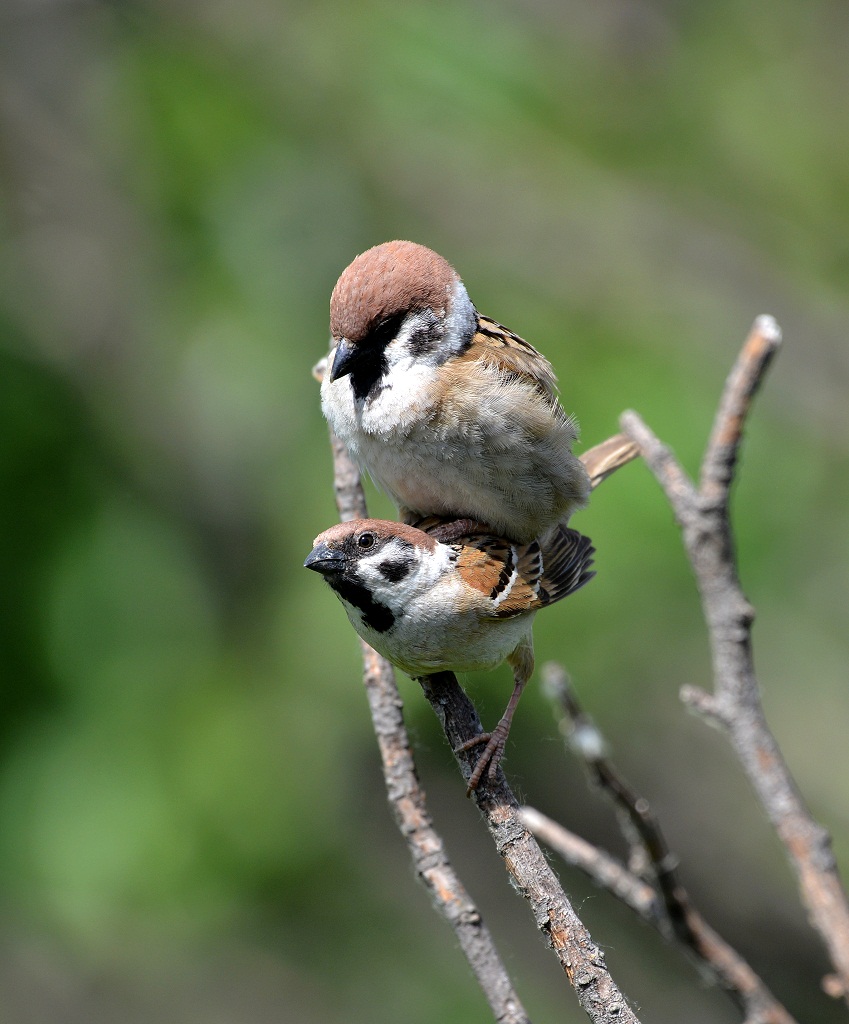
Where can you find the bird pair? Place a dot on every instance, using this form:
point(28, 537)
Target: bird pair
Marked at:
point(458, 420)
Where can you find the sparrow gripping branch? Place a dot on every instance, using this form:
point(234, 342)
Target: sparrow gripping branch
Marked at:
point(582, 960)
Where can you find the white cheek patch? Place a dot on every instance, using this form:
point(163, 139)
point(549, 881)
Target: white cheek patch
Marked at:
point(394, 574)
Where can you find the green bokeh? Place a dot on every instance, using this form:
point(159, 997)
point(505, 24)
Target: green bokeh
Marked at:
point(192, 824)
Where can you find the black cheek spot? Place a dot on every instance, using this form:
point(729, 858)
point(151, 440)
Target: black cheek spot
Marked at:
point(394, 571)
point(426, 339)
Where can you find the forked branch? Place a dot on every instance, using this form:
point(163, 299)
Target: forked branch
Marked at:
point(734, 705)
point(581, 959)
point(666, 904)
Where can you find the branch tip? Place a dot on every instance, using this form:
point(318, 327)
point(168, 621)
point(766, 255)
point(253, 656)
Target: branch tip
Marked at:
point(702, 703)
point(768, 328)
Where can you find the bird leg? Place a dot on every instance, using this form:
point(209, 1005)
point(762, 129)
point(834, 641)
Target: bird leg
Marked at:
point(522, 663)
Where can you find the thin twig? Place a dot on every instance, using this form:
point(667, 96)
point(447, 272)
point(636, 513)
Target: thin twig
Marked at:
point(720, 459)
point(673, 914)
point(735, 705)
point(641, 829)
point(605, 870)
point(407, 798)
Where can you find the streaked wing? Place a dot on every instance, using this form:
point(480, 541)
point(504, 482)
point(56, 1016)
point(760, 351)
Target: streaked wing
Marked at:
point(512, 355)
point(490, 565)
point(518, 578)
point(450, 531)
point(566, 561)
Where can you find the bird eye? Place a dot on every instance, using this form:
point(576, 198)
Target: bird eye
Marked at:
point(382, 333)
point(366, 540)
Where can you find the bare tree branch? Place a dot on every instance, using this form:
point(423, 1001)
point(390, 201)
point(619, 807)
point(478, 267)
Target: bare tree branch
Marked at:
point(407, 798)
point(581, 959)
point(703, 515)
point(649, 852)
point(720, 459)
point(605, 870)
point(673, 913)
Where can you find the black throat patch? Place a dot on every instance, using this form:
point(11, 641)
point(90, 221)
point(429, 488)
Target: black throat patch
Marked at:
point(375, 615)
point(366, 375)
point(371, 365)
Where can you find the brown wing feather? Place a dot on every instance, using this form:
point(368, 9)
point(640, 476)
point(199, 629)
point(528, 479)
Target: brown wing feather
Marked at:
point(450, 531)
point(526, 577)
point(485, 563)
point(548, 572)
point(512, 355)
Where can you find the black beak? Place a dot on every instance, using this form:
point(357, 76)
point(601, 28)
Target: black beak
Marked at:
point(325, 560)
point(345, 359)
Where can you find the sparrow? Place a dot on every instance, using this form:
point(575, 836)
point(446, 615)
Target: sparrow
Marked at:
point(462, 606)
point(450, 413)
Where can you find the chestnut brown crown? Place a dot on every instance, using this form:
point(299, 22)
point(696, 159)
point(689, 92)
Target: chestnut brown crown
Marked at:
point(385, 281)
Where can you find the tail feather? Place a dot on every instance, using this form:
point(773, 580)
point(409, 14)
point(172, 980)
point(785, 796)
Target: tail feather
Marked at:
point(607, 457)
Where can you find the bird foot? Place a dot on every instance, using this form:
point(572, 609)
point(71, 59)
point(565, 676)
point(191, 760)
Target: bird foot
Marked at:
point(491, 755)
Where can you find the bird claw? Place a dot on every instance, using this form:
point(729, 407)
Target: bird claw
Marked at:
point(491, 755)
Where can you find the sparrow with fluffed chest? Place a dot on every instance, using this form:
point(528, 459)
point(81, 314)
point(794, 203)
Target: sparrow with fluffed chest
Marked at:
point(449, 412)
point(468, 605)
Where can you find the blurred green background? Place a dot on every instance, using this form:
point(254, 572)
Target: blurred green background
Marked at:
point(192, 820)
